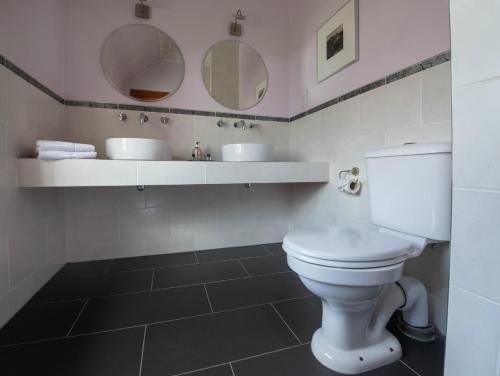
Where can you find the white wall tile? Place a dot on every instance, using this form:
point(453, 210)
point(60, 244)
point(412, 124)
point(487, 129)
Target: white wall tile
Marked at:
point(436, 94)
point(211, 241)
point(475, 53)
point(473, 338)
point(117, 197)
point(30, 219)
point(395, 105)
point(168, 197)
point(438, 132)
point(476, 131)
point(476, 256)
point(143, 224)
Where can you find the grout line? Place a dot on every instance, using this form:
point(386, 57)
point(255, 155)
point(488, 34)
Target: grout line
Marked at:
point(245, 269)
point(288, 326)
point(411, 369)
point(230, 364)
point(77, 317)
point(109, 267)
point(201, 369)
point(158, 289)
point(267, 353)
point(157, 322)
point(196, 257)
point(142, 349)
point(232, 370)
point(152, 279)
point(267, 250)
point(208, 297)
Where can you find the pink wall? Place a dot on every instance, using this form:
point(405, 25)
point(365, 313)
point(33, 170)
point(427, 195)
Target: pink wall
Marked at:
point(393, 34)
point(195, 25)
point(32, 37)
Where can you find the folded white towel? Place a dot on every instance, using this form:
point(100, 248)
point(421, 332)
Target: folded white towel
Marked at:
point(54, 155)
point(47, 145)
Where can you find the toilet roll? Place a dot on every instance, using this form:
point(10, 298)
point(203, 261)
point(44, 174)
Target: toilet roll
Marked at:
point(350, 186)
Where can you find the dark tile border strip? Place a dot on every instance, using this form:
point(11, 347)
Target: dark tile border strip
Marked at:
point(403, 73)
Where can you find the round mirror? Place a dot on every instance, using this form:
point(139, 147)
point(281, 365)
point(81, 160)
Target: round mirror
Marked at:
point(142, 62)
point(235, 74)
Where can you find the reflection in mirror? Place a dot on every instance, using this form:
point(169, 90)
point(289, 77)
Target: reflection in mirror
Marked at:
point(235, 74)
point(142, 62)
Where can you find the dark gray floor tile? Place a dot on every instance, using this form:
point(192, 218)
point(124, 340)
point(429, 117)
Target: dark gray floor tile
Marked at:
point(198, 273)
point(33, 323)
point(255, 290)
point(151, 262)
point(425, 358)
point(195, 343)
point(275, 248)
point(141, 308)
point(224, 370)
point(302, 315)
point(266, 265)
point(82, 269)
point(299, 361)
point(231, 253)
point(90, 287)
point(105, 354)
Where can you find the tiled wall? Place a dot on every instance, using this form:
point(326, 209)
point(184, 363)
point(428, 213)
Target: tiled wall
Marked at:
point(119, 222)
point(31, 220)
point(473, 344)
point(414, 109)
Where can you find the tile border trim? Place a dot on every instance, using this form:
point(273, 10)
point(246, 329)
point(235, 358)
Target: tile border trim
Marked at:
point(403, 73)
point(30, 79)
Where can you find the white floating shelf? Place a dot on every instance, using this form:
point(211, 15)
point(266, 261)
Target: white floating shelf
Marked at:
point(95, 173)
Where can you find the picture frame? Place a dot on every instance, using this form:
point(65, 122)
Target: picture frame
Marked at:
point(337, 41)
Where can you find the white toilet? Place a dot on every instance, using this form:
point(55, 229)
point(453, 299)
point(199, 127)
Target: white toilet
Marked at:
point(357, 269)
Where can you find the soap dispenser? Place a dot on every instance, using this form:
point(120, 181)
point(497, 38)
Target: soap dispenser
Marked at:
point(196, 154)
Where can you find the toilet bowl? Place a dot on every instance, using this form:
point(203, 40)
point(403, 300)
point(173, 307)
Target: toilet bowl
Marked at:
point(353, 270)
point(357, 269)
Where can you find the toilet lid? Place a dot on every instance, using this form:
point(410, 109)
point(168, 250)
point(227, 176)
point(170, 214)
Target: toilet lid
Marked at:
point(347, 245)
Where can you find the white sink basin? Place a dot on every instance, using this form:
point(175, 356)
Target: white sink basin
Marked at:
point(138, 149)
point(247, 153)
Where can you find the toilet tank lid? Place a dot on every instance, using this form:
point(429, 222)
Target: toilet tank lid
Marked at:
point(410, 149)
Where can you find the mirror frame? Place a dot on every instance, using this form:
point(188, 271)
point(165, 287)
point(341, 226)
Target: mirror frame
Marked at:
point(258, 54)
point(136, 99)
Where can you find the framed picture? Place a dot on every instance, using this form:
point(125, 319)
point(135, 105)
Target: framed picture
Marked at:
point(337, 41)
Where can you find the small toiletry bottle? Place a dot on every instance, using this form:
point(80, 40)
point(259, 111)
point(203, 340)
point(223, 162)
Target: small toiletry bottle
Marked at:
point(197, 154)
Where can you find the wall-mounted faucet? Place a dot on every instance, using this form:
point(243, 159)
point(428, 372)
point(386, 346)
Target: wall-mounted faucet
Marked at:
point(241, 124)
point(164, 119)
point(143, 118)
point(122, 116)
point(221, 123)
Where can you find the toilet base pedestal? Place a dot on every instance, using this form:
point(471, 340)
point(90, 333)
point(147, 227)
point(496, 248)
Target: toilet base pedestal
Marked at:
point(359, 360)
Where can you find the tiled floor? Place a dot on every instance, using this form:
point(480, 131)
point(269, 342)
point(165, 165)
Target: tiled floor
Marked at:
point(227, 312)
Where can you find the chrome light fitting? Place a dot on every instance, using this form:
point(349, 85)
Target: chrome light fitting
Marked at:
point(142, 10)
point(236, 28)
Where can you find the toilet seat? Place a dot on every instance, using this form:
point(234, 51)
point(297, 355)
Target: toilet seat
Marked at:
point(347, 247)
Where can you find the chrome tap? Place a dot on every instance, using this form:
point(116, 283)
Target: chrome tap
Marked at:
point(241, 124)
point(143, 118)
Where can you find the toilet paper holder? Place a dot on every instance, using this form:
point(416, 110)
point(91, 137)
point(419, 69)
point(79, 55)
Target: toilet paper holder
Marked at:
point(353, 171)
point(349, 184)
